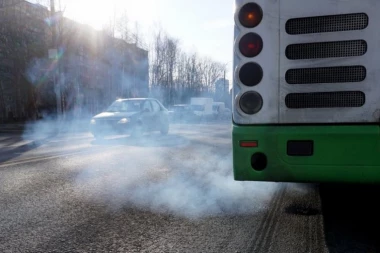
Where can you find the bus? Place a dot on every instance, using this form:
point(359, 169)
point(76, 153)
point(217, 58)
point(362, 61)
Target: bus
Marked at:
point(306, 91)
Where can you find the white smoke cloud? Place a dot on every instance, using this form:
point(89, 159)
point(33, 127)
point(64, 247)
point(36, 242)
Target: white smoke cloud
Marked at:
point(186, 177)
point(193, 183)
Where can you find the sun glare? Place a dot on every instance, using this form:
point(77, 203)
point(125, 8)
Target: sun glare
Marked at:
point(93, 13)
point(98, 13)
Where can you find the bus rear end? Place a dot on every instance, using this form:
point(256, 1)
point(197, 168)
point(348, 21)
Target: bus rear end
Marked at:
point(306, 91)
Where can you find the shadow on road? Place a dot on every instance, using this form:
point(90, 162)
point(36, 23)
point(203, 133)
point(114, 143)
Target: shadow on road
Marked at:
point(351, 217)
point(11, 140)
point(147, 140)
point(11, 153)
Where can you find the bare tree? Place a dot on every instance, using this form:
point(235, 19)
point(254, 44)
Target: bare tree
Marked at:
point(20, 44)
point(157, 59)
point(136, 37)
point(110, 27)
point(171, 49)
point(211, 72)
point(175, 75)
point(123, 27)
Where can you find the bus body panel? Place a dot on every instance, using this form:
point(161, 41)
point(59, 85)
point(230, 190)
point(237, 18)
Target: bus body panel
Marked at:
point(344, 135)
point(370, 111)
point(269, 61)
point(342, 153)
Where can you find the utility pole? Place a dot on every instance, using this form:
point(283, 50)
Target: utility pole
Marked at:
point(225, 90)
point(224, 82)
point(57, 85)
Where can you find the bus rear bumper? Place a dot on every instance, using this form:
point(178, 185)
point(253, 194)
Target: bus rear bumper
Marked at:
point(341, 154)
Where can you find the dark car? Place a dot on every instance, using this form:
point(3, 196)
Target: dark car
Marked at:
point(131, 116)
point(182, 112)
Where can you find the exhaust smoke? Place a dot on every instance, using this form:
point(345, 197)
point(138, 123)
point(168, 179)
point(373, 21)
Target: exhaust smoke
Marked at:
point(185, 173)
point(192, 181)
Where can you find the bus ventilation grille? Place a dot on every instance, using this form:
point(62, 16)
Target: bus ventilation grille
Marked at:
point(326, 49)
point(342, 74)
point(322, 24)
point(325, 99)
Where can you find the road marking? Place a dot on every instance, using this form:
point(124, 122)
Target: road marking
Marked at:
point(43, 158)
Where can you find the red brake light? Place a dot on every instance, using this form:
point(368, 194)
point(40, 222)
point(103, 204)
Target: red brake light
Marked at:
point(248, 144)
point(250, 45)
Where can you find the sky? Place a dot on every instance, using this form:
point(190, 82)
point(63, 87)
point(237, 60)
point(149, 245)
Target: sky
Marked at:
point(204, 26)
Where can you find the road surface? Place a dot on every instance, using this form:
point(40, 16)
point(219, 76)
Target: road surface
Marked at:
point(173, 193)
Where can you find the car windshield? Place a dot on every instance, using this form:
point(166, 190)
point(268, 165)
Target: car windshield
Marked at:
point(125, 106)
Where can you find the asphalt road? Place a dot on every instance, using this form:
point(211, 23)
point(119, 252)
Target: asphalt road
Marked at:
point(171, 193)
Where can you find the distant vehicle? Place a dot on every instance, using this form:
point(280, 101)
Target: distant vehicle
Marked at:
point(131, 116)
point(202, 106)
point(181, 112)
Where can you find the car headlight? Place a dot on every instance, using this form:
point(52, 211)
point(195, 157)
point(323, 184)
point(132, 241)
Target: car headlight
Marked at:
point(92, 122)
point(123, 121)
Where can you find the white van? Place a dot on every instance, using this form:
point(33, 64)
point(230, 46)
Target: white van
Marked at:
point(202, 106)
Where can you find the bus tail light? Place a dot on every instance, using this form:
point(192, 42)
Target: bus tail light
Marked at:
point(249, 144)
point(250, 45)
point(250, 15)
point(251, 102)
point(250, 74)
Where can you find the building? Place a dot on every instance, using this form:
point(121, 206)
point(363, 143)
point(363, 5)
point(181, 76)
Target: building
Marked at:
point(22, 36)
point(222, 85)
point(92, 68)
point(97, 69)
